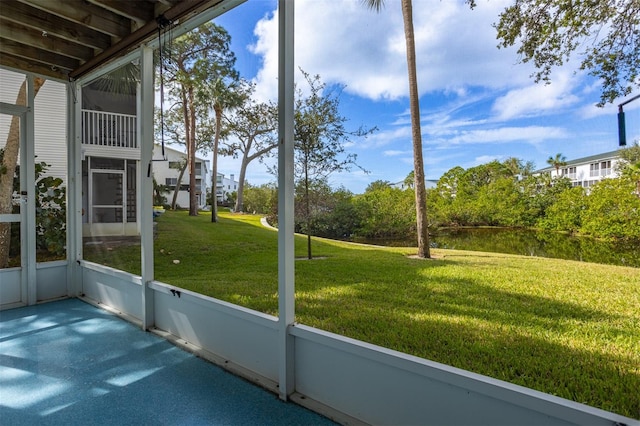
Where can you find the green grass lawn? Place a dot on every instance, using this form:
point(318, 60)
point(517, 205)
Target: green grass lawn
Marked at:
point(567, 328)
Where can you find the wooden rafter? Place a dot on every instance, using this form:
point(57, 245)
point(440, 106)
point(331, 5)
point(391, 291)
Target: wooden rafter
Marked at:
point(64, 38)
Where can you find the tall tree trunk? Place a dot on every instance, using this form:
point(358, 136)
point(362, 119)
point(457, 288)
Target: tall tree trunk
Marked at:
point(246, 159)
point(9, 162)
point(414, 105)
point(307, 201)
point(214, 166)
point(193, 202)
point(241, 178)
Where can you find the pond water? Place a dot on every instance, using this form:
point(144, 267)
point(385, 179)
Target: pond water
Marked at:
point(529, 243)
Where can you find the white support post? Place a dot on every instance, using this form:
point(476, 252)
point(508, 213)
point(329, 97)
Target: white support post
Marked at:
point(286, 252)
point(74, 189)
point(30, 181)
point(145, 133)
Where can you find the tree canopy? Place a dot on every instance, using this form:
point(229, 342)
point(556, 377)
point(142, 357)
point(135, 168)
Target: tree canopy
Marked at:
point(604, 34)
point(197, 61)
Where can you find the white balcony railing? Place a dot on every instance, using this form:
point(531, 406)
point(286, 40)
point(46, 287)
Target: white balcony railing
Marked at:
point(109, 129)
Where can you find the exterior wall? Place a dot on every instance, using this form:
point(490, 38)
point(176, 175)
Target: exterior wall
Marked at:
point(587, 171)
point(51, 128)
point(164, 174)
point(49, 121)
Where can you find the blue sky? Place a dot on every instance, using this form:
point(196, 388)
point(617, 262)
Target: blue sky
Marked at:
point(477, 102)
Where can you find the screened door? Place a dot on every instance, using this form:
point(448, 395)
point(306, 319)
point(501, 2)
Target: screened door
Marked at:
point(13, 199)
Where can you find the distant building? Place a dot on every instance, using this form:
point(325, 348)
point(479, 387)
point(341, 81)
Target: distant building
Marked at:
point(166, 171)
point(225, 187)
point(428, 184)
point(586, 171)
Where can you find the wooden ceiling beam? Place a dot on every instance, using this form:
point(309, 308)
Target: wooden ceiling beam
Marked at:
point(83, 13)
point(30, 37)
point(34, 54)
point(31, 17)
point(147, 32)
point(129, 9)
point(10, 61)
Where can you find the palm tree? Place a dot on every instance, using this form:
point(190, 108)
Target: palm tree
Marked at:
point(414, 106)
point(558, 161)
point(222, 97)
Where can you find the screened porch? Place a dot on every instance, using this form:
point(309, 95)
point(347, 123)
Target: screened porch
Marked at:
point(82, 342)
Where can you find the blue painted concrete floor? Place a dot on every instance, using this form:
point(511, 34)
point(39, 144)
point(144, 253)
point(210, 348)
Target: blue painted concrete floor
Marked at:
point(70, 363)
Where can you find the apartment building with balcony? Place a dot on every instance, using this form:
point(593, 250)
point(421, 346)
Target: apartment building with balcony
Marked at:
point(587, 171)
point(225, 187)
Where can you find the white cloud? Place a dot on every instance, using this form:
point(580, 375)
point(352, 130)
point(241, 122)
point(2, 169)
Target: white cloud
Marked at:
point(537, 99)
point(396, 153)
point(530, 134)
point(347, 43)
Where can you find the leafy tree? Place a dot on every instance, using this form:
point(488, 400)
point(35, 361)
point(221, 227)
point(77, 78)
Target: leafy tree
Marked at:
point(158, 193)
point(539, 193)
point(197, 58)
point(604, 34)
point(500, 203)
point(377, 184)
point(629, 164)
point(319, 138)
point(518, 167)
point(386, 212)
point(8, 168)
point(344, 218)
point(414, 107)
point(612, 210)
point(261, 199)
point(565, 214)
point(557, 162)
point(253, 126)
point(51, 213)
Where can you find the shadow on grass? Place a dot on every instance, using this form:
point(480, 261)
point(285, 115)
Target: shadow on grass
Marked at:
point(557, 347)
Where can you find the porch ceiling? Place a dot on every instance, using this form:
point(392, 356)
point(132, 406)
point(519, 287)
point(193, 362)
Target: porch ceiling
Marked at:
point(64, 39)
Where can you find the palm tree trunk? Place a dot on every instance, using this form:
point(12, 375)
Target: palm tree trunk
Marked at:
point(214, 166)
point(418, 163)
point(193, 202)
point(9, 162)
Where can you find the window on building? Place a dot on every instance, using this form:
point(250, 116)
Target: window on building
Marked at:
point(605, 168)
point(198, 169)
point(594, 169)
point(171, 182)
point(571, 173)
point(175, 165)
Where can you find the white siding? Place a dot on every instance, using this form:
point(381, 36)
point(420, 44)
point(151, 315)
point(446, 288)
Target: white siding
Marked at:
point(51, 128)
point(162, 172)
point(50, 120)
